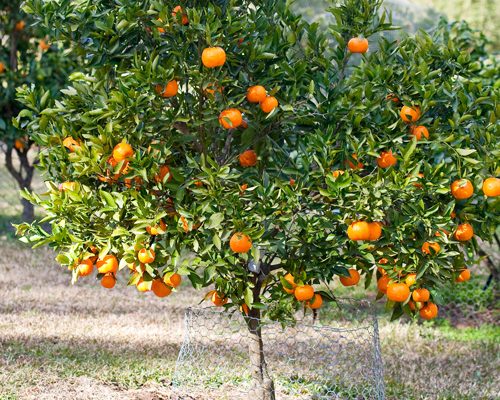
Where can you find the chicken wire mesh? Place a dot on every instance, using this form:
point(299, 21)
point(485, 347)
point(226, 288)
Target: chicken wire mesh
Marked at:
point(475, 302)
point(309, 360)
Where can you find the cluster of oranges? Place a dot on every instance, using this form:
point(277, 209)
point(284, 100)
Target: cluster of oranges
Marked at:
point(362, 230)
point(108, 266)
point(407, 291)
point(303, 293)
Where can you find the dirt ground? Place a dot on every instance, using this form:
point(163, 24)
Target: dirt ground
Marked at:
point(83, 342)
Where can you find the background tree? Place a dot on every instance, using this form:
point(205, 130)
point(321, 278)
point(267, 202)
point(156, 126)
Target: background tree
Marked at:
point(27, 57)
point(224, 141)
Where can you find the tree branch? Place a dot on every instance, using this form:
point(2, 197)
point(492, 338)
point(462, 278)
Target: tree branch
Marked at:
point(10, 167)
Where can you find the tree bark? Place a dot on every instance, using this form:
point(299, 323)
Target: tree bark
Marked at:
point(24, 178)
point(262, 385)
point(28, 211)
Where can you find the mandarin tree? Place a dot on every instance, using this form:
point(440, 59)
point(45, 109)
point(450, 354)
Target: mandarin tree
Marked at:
point(26, 57)
point(233, 143)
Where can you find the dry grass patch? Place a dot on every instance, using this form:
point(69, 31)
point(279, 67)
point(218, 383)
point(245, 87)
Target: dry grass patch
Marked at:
point(59, 341)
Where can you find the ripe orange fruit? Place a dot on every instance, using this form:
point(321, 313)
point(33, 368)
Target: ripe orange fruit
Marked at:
point(123, 170)
point(2, 67)
point(43, 45)
point(244, 309)
point(337, 173)
point(160, 289)
point(463, 276)
point(85, 267)
point(169, 90)
point(382, 283)
point(230, 118)
point(157, 229)
point(219, 299)
point(421, 295)
point(386, 159)
point(108, 281)
point(383, 261)
point(269, 104)
point(292, 182)
point(412, 305)
point(122, 151)
point(359, 230)
point(108, 264)
point(146, 256)
point(358, 45)
point(240, 243)
point(185, 224)
point(398, 292)
point(491, 187)
point(20, 25)
point(256, 94)
point(213, 57)
point(427, 246)
point(359, 165)
point(462, 189)
point(71, 144)
point(375, 230)
point(317, 302)
point(464, 232)
point(419, 131)
point(248, 158)
point(164, 171)
point(177, 10)
point(143, 286)
point(19, 144)
point(291, 280)
point(411, 279)
point(429, 311)
point(304, 292)
point(409, 114)
point(352, 279)
point(173, 280)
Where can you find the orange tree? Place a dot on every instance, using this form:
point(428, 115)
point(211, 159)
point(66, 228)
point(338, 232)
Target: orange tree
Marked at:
point(232, 143)
point(26, 57)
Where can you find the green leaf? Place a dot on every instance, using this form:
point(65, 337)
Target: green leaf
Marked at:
point(215, 221)
point(248, 296)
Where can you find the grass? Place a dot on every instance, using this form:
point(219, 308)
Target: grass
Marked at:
point(484, 333)
point(58, 338)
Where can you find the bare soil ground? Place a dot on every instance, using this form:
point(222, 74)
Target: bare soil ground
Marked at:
point(59, 341)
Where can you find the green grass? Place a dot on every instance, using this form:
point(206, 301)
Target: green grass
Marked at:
point(123, 368)
point(483, 333)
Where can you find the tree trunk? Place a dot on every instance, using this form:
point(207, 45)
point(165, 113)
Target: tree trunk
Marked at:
point(23, 176)
point(262, 385)
point(28, 211)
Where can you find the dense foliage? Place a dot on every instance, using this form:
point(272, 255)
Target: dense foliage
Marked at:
point(152, 175)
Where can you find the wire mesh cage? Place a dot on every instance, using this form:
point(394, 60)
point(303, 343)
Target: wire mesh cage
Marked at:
point(338, 358)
